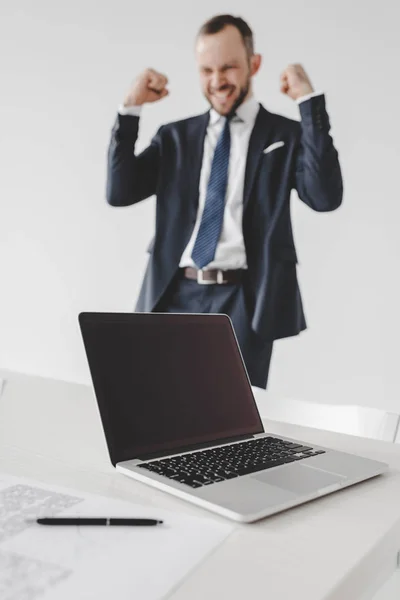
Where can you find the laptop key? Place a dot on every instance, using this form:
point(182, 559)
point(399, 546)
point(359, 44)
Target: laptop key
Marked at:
point(302, 448)
point(290, 445)
point(230, 475)
point(186, 480)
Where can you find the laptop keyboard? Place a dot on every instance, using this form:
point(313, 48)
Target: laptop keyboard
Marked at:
point(226, 462)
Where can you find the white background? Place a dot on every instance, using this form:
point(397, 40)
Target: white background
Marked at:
point(66, 67)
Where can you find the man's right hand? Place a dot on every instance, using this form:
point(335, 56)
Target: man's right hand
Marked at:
point(149, 86)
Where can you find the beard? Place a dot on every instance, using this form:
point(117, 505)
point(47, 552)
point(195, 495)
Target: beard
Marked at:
point(244, 90)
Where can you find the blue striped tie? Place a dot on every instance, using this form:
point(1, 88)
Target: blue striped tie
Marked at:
point(213, 215)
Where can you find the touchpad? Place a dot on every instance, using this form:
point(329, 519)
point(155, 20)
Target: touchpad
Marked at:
point(298, 478)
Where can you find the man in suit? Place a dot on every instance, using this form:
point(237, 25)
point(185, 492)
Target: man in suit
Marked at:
point(223, 241)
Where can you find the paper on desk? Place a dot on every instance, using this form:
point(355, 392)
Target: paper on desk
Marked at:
point(60, 563)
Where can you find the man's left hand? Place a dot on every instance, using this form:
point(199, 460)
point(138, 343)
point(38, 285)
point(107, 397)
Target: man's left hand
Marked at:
point(295, 82)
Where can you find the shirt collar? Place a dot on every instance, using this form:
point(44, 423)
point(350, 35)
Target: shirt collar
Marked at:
point(247, 112)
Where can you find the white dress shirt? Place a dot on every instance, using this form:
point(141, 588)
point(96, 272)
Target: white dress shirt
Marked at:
point(230, 252)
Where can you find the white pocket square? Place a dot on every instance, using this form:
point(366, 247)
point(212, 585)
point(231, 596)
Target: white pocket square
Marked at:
point(273, 147)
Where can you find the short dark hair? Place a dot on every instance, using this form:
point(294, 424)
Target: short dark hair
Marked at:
point(219, 22)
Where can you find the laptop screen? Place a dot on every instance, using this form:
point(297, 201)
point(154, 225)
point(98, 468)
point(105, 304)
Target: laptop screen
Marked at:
point(167, 381)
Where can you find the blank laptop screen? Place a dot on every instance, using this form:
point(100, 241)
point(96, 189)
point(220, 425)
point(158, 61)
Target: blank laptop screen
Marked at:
point(167, 381)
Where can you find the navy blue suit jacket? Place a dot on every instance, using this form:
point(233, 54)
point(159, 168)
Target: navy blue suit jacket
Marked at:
point(170, 168)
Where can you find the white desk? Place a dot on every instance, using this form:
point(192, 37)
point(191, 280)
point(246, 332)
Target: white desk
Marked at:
point(341, 547)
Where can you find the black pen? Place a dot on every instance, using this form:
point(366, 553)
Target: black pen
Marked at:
point(96, 521)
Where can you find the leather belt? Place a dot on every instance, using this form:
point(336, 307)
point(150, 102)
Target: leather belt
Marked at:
point(211, 276)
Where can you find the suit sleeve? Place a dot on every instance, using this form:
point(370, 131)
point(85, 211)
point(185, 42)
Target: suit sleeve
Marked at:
point(131, 178)
point(318, 177)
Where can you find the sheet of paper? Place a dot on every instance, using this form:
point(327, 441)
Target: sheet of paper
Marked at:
point(59, 563)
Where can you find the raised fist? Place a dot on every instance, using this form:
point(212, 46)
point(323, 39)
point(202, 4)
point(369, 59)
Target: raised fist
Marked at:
point(149, 86)
point(295, 82)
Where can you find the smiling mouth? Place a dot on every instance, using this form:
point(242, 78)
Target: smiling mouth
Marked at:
point(222, 95)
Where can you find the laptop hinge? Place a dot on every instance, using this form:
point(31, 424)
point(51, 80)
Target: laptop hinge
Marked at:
point(191, 448)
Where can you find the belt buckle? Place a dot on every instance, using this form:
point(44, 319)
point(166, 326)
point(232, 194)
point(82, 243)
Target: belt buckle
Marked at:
point(220, 277)
point(201, 280)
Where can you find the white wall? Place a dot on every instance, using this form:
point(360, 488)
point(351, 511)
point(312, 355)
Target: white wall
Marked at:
point(66, 66)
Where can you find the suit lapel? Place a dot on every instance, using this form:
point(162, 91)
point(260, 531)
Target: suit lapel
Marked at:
point(197, 133)
point(257, 143)
point(192, 149)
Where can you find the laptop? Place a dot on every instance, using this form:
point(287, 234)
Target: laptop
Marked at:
point(178, 414)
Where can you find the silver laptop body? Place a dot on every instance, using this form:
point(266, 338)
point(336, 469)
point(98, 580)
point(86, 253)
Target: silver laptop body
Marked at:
point(179, 414)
